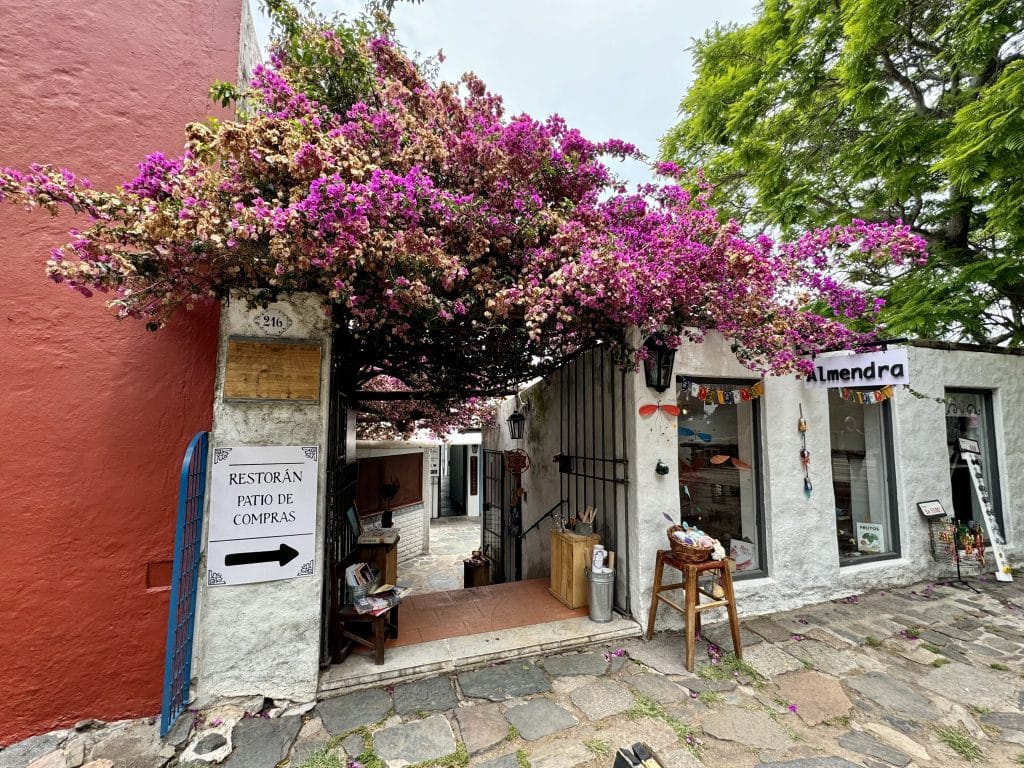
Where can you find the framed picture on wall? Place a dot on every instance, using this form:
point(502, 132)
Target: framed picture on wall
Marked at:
point(931, 508)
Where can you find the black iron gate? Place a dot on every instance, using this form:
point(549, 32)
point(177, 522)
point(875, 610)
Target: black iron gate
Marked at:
point(342, 474)
point(592, 463)
point(501, 525)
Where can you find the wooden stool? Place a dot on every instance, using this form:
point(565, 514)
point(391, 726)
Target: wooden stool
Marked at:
point(693, 606)
point(381, 628)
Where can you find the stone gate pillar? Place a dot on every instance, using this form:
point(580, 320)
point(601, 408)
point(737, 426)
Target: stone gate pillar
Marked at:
point(264, 637)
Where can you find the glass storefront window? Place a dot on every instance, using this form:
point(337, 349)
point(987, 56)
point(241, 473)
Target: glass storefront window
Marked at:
point(719, 468)
point(969, 415)
point(866, 520)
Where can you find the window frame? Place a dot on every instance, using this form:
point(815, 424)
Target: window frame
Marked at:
point(757, 470)
point(891, 495)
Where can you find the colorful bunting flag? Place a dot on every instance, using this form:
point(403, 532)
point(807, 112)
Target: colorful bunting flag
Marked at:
point(715, 396)
point(867, 398)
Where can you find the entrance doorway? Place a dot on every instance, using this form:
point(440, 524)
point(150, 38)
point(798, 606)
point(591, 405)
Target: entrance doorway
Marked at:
point(969, 416)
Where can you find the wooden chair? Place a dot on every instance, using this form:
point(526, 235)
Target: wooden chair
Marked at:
point(692, 606)
point(374, 630)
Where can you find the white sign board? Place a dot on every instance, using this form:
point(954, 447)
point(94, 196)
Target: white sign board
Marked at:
point(870, 538)
point(262, 514)
point(868, 369)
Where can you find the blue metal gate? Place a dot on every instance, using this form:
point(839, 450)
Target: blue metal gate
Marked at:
point(187, 543)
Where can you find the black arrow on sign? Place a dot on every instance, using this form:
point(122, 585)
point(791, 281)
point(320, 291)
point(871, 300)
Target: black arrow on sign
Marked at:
point(283, 556)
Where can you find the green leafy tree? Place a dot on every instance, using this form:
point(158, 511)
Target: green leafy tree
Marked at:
point(822, 110)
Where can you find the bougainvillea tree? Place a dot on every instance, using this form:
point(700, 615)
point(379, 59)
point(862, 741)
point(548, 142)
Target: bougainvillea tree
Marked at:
point(459, 250)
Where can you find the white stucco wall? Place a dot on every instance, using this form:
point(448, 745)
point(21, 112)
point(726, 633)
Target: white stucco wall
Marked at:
point(800, 533)
point(802, 556)
point(264, 639)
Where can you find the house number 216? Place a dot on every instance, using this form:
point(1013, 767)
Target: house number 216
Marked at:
point(272, 322)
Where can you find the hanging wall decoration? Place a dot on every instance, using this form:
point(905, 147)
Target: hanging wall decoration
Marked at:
point(721, 395)
point(805, 455)
point(867, 398)
point(667, 411)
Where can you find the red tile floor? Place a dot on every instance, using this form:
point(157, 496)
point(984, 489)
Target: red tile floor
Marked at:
point(440, 615)
point(478, 609)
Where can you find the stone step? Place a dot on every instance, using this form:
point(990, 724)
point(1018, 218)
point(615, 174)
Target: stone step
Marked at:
point(413, 662)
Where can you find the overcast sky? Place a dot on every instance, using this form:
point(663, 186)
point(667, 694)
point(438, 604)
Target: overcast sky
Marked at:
point(612, 68)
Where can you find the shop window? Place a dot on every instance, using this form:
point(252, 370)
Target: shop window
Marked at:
point(969, 415)
point(867, 524)
point(719, 467)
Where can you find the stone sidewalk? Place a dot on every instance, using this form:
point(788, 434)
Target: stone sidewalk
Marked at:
point(920, 676)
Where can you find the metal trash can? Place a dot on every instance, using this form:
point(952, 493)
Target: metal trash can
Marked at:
point(600, 591)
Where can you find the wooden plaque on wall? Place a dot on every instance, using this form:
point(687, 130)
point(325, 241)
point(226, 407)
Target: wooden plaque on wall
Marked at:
point(272, 370)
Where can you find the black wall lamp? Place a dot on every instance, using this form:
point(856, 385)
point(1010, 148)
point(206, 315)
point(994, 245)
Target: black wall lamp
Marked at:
point(658, 364)
point(661, 467)
point(516, 422)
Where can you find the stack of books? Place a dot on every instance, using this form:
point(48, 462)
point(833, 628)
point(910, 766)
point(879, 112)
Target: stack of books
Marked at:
point(384, 599)
point(378, 536)
point(358, 574)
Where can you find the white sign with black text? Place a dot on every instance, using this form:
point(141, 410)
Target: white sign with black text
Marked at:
point(867, 369)
point(262, 514)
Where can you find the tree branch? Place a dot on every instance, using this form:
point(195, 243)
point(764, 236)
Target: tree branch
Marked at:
point(915, 93)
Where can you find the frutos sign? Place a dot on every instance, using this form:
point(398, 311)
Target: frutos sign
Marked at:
point(867, 369)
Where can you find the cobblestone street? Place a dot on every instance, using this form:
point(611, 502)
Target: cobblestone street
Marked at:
point(920, 676)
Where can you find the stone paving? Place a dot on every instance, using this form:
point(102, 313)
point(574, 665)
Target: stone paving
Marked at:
point(915, 677)
point(452, 540)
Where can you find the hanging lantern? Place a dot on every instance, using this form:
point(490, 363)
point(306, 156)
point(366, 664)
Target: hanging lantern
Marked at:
point(516, 422)
point(658, 364)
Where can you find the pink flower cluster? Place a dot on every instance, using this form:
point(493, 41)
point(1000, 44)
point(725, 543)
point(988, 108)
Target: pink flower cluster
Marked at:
point(425, 216)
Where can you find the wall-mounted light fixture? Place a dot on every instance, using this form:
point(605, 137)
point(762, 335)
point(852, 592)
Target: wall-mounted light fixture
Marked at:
point(661, 467)
point(658, 364)
point(516, 422)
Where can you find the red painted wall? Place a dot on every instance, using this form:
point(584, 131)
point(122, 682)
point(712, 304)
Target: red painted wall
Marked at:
point(95, 414)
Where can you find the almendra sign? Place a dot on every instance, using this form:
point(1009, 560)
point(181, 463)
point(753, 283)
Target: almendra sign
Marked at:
point(865, 369)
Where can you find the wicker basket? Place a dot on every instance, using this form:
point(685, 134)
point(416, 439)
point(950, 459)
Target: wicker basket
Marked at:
point(685, 552)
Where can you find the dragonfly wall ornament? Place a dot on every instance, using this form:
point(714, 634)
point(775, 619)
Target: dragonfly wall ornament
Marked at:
point(668, 412)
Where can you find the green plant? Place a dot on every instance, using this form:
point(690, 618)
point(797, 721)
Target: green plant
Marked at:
point(709, 698)
point(807, 664)
point(522, 759)
point(976, 710)
point(872, 642)
point(841, 721)
point(513, 733)
point(941, 661)
point(999, 667)
point(992, 731)
point(598, 747)
point(912, 633)
point(959, 742)
point(729, 667)
point(931, 647)
point(457, 759)
point(687, 734)
point(1019, 759)
point(322, 759)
